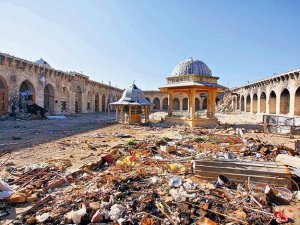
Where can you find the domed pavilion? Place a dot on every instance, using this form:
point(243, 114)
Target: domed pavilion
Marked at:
point(192, 77)
point(131, 106)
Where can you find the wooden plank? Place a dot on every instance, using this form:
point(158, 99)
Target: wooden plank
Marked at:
point(278, 181)
point(289, 160)
point(258, 172)
point(240, 163)
point(246, 171)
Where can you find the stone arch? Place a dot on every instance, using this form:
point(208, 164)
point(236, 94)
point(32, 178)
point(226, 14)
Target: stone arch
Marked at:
point(218, 100)
point(285, 101)
point(3, 96)
point(248, 103)
point(272, 103)
point(243, 103)
point(254, 103)
point(97, 102)
point(197, 104)
point(64, 100)
point(165, 104)
point(27, 95)
point(103, 103)
point(148, 99)
point(238, 102)
point(234, 103)
point(297, 102)
point(185, 104)
point(49, 98)
point(78, 100)
point(263, 102)
point(176, 104)
point(156, 102)
point(89, 102)
point(204, 103)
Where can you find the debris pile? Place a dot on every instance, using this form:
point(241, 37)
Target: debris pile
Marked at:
point(156, 181)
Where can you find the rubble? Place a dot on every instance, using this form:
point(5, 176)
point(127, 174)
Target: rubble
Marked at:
point(209, 177)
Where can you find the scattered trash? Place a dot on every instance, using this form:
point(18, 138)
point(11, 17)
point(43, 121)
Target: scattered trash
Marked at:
point(198, 178)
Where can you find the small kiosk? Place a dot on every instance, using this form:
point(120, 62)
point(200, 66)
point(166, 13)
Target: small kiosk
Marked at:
point(132, 106)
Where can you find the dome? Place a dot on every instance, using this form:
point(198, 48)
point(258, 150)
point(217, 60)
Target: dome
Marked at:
point(133, 94)
point(190, 66)
point(43, 63)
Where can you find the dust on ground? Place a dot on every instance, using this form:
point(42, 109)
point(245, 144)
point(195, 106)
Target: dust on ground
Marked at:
point(84, 137)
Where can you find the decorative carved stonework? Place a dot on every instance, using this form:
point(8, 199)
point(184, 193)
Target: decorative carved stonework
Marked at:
point(13, 78)
point(75, 84)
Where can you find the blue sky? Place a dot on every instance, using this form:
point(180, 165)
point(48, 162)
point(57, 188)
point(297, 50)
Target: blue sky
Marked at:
point(125, 40)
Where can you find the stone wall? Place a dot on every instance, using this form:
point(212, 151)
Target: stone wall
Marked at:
point(278, 95)
point(51, 88)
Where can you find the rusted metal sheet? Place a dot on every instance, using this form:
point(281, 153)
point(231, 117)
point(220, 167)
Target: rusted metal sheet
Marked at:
point(241, 171)
point(281, 124)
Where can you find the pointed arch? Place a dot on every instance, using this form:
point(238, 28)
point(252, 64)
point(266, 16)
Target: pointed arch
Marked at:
point(176, 104)
point(297, 102)
point(64, 100)
point(3, 96)
point(49, 98)
point(97, 101)
point(248, 103)
point(78, 100)
point(165, 104)
point(285, 101)
point(103, 103)
point(27, 95)
point(243, 103)
point(263, 102)
point(197, 104)
point(185, 104)
point(254, 103)
point(156, 103)
point(272, 103)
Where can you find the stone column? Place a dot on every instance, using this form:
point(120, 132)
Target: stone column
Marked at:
point(258, 101)
point(251, 103)
point(117, 112)
point(129, 114)
point(292, 102)
point(170, 106)
point(192, 104)
point(278, 103)
point(181, 105)
point(213, 105)
point(122, 114)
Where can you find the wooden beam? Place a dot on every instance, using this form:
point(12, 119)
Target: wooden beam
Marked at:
point(240, 171)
